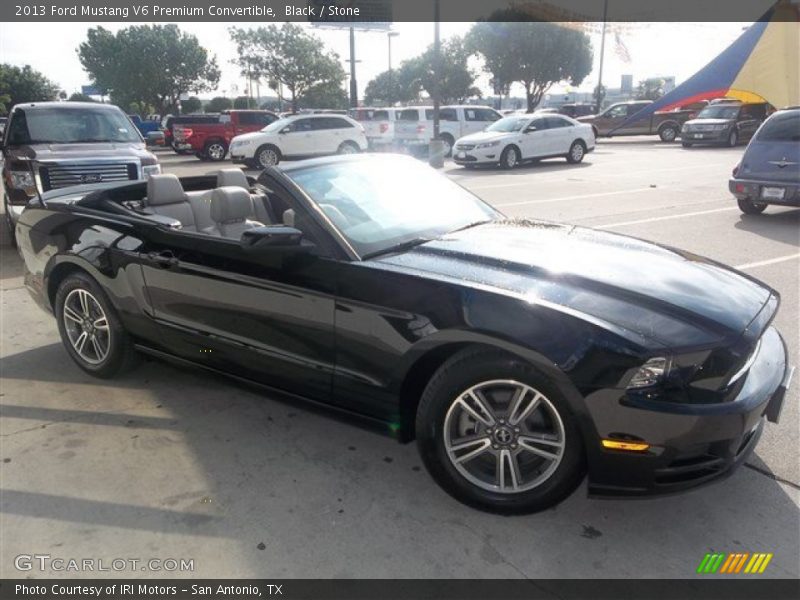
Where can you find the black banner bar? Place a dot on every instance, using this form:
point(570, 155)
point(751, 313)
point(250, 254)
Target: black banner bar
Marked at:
point(733, 588)
point(375, 11)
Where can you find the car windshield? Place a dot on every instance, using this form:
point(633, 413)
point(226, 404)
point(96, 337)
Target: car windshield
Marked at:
point(384, 203)
point(781, 128)
point(276, 125)
point(719, 112)
point(67, 125)
point(508, 124)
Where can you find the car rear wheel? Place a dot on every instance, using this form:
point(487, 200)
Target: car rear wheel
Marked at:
point(267, 156)
point(448, 142)
point(496, 434)
point(510, 157)
point(90, 328)
point(749, 207)
point(668, 133)
point(576, 152)
point(348, 148)
point(215, 151)
point(733, 139)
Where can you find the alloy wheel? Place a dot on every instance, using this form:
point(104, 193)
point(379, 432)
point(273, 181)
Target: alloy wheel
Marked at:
point(511, 159)
point(87, 327)
point(267, 157)
point(576, 152)
point(216, 151)
point(504, 436)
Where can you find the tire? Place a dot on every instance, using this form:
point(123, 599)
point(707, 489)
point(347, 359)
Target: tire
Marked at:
point(215, 150)
point(733, 139)
point(686, 144)
point(576, 152)
point(267, 156)
point(449, 142)
point(749, 207)
point(441, 420)
point(510, 157)
point(668, 133)
point(348, 148)
point(80, 290)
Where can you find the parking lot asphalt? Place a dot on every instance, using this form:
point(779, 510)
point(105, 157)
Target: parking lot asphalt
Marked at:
point(174, 463)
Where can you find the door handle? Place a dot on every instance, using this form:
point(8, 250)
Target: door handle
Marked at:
point(164, 259)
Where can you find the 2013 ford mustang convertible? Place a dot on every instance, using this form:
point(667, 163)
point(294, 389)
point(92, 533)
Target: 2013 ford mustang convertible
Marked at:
point(521, 355)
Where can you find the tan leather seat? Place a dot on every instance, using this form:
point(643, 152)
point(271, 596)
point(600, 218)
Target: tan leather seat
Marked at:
point(231, 211)
point(165, 196)
point(262, 207)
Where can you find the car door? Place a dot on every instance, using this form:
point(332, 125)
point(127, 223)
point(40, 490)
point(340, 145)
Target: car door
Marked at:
point(267, 318)
point(297, 138)
point(611, 118)
point(749, 119)
point(560, 135)
point(535, 139)
point(340, 131)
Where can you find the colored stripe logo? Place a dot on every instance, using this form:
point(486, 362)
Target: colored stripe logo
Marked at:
point(734, 563)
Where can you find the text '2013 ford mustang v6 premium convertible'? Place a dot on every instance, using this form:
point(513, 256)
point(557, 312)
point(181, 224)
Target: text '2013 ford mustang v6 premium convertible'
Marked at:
point(521, 355)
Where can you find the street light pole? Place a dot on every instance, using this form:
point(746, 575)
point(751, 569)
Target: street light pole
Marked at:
point(599, 92)
point(353, 84)
point(436, 147)
point(389, 36)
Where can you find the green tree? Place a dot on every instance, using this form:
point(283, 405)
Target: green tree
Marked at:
point(23, 84)
point(324, 95)
point(398, 85)
point(650, 89)
point(80, 97)
point(242, 102)
point(218, 104)
point(286, 55)
point(455, 77)
point(153, 64)
point(534, 54)
point(192, 104)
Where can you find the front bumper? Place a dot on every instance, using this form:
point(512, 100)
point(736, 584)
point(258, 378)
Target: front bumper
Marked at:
point(765, 191)
point(718, 136)
point(477, 156)
point(690, 444)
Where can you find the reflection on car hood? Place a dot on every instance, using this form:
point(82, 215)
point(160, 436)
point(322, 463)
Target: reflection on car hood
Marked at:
point(252, 137)
point(708, 122)
point(485, 136)
point(616, 278)
point(58, 152)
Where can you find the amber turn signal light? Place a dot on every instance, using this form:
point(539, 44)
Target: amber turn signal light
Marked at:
point(629, 446)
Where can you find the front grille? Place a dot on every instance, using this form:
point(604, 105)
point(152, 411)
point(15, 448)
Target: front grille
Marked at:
point(703, 128)
point(61, 176)
point(465, 146)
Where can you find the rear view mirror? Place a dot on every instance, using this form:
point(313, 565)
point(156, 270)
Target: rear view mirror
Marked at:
point(271, 238)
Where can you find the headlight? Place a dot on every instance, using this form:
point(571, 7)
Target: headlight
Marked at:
point(22, 179)
point(488, 145)
point(148, 170)
point(650, 373)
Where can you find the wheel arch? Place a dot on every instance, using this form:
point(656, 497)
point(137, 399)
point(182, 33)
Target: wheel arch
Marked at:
point(58, 271)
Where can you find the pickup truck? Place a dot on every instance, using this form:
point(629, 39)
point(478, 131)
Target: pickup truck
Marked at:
point(378, 124)
point(667, 125)
point(210, 141)
point(169, 123)
point(150, 130)
point(413, 127)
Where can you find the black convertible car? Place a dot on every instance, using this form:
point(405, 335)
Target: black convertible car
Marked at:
point(520, 354)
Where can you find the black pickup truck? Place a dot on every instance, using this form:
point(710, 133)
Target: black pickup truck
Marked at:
point(50, 145)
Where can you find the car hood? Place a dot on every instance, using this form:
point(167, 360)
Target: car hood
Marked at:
point(485, 136)
point(64, 152)
point(771, 161)
point(708, 122)
point(614, 278)
point(254, 136)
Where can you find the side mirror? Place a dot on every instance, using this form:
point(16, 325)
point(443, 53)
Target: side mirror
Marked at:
point(531, 129)
point(273, 238)
point(285, 130)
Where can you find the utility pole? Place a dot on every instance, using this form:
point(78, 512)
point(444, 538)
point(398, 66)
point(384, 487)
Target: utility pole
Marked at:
point(389, 36)
point(353, 84)
point(599, 95)
point(436, 147)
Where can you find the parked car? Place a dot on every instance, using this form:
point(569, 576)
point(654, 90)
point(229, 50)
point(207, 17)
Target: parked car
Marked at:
point(724, 123)
point(769, 172)
point(170, 121)
point(51, 145)
point(146, 128)
point(521, 354)
point(513, 140)
point(210, 141)
point(298, 137)
point(378, 124)
point(414, 125)
point(667, 125)
point(577, 109)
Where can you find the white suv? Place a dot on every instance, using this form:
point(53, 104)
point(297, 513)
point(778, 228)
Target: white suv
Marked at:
point(299, 136)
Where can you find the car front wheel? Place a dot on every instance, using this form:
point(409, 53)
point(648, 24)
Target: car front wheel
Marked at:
point(90, 328)
point(733, 139)
point(348, 148)
point(668, 133)
point(496, 434)
point(509, 158)
point(749, 207)
point(267, 156)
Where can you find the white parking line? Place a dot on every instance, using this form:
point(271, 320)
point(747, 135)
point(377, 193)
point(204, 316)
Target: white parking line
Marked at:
point(771, 261)
point(667, 218)
point(562, 198)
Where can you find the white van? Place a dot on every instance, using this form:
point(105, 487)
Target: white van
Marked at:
point(414, 124)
